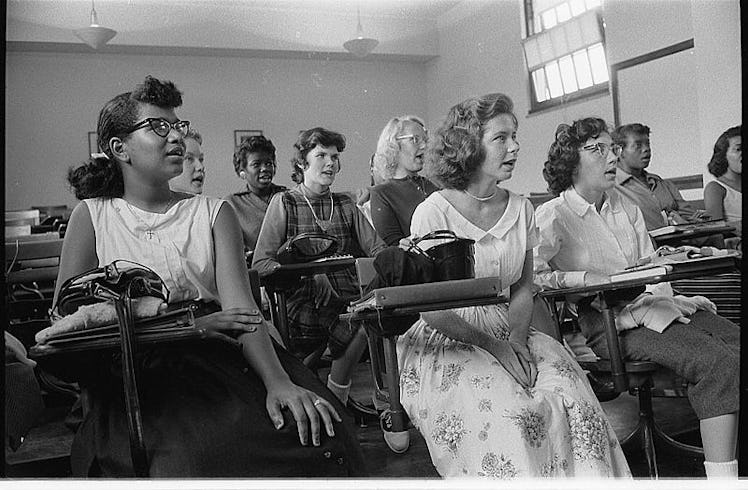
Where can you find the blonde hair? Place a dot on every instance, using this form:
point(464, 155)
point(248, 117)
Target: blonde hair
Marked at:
point(385, 158)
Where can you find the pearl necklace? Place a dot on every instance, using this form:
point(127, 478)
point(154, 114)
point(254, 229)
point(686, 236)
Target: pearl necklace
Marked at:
point(481, 199)
point(323, 224)
point(412, 180)
point(149, 233)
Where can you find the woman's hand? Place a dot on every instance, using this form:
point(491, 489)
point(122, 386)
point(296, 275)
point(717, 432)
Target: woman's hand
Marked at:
point(323, 290)
point(526, 360)
point(508, 357)
point(236, 319)
point(306, 407)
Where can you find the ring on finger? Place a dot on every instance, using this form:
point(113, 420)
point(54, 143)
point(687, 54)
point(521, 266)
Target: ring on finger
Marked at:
point(317, 402)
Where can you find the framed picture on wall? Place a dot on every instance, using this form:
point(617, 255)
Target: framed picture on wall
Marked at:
point(93, 145)
point(242, 134)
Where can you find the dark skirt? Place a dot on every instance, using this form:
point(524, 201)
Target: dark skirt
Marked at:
point(204, 415)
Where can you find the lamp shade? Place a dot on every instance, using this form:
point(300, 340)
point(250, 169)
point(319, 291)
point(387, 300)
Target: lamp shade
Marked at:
point(95, 35)
point(360, 46)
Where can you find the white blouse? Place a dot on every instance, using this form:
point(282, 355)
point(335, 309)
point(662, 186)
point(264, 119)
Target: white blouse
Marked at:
point(177, 245)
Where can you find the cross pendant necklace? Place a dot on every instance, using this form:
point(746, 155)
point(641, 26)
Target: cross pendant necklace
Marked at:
point(149, 233)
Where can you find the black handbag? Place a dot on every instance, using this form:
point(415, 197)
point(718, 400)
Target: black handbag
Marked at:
point(452, 260)
point(306, 247)
point(109, 283)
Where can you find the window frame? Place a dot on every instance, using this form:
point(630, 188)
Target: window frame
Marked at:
point(590, 92)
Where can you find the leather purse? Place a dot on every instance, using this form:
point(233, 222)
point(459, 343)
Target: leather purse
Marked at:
point(454, 259)
point(108, 283)
point(306, 247)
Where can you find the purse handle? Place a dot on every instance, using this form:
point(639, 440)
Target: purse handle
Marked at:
point(434, 235)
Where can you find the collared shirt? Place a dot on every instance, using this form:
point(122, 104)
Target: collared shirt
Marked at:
point(576, 238)
point(654, 197)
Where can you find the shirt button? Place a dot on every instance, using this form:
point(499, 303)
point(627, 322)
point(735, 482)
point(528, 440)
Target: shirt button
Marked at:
point(327, 454)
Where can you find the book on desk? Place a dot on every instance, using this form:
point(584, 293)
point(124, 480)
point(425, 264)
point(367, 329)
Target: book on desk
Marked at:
point(675, 263)
point(430, 292)
point(686, 228)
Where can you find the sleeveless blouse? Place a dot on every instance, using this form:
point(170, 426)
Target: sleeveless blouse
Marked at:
point(177, 245)
point(732, 203)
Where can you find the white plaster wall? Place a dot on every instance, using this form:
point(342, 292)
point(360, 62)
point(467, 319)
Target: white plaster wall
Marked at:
point(53, 100)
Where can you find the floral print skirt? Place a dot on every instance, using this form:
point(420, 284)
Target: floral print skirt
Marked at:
point(478, 422)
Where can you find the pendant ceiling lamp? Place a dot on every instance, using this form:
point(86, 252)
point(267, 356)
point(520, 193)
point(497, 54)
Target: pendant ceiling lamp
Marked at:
point(360, 46)
point(95, 35)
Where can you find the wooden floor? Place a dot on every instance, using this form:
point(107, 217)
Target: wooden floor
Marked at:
point(52, 440)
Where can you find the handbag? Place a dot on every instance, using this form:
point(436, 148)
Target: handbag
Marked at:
point(454, 259)
point(109, 283)
point(306, 247)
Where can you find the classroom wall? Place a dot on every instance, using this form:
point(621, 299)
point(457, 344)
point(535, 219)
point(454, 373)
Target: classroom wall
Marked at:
point(53, 99)
point(480, 52)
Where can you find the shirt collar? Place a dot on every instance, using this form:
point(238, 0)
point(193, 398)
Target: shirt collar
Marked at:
point(623, 176)
point(579, 205)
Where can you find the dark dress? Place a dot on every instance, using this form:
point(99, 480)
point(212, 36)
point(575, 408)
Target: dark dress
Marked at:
point(203, 407)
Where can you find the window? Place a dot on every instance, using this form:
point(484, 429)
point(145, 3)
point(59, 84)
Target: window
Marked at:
point(564, 51)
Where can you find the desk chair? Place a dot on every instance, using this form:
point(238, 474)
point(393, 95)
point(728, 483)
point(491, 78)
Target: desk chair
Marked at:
point(385, 370)
point(636, 377)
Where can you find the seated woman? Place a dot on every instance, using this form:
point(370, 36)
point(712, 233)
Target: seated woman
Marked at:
point(491, 395)
point(399, 158)
point(254, 163)
point(723, 197)
point(210, 412)
point(589, 232)
point(192, 178)
point(314, 306)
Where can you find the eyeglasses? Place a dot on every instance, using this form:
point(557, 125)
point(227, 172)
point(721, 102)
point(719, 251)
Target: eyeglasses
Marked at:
point(161, 126)
point(602, 149)
point(418, 140)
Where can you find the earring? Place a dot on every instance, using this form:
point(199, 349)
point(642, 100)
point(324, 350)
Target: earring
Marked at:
point(243, 175)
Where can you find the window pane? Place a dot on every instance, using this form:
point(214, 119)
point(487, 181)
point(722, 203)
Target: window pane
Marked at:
point(582, 65)
point(598, 63)
point(567, 74)
point(563, 13)
point(554, 79)
point(591, 4)
point(549, 18)
point(538, 24)
point(577, 7)
point(541, 91)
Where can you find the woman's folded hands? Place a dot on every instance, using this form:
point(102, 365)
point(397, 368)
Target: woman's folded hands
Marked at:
point(515, 357)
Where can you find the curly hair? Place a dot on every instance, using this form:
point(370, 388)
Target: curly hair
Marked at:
point(456, 151)
point(306, 142)
point(193, 134)
point(621, 133)
point(385, 159)
point(100, 175)
point(563, 155)
point(718, 164)
point(253, 144)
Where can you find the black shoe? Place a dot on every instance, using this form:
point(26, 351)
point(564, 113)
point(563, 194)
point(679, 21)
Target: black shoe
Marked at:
point(603, 388)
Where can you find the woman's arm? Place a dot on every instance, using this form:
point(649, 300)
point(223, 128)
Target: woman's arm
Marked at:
point(368, 239)
point(78, 249)
point(272, 236)
point(714, 198)
point(521, 303)
point(232, 281)
point(548, 246)
point(385, 219)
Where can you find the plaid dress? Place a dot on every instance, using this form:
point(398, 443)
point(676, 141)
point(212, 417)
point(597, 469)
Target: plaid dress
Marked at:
point(310, 327)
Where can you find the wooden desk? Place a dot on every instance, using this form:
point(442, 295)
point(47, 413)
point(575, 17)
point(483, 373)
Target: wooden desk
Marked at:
point(382, 323)
point(286, 278)
point(602, 291)
point(692, 231)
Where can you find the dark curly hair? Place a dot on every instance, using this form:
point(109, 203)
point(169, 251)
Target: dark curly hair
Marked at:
point(456, 151)
point(718, 164)
point(306, 142)
point(563, 155)
point(621, 133)
point(253, 144)
point(101, 175)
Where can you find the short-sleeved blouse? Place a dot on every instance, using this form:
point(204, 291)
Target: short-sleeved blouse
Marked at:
point(177, 245)
point(499, 251)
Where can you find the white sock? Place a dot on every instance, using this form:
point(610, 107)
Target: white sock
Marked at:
point(726, 470)
point(340, 391)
